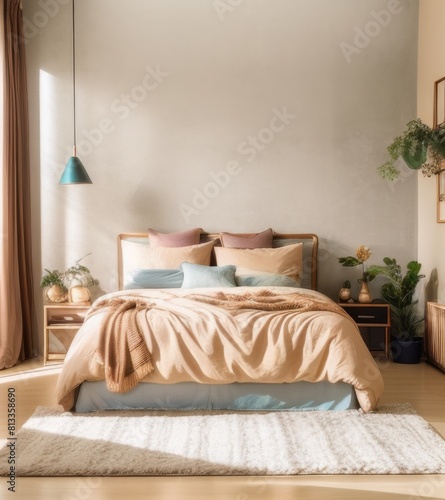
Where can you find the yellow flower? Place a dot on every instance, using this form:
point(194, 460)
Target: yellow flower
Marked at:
point(363, 253)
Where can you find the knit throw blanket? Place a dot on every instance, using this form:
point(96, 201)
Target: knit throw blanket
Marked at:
point(266, 300)
point(122, 350)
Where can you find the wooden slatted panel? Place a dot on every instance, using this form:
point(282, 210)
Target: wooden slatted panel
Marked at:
point(435, 334)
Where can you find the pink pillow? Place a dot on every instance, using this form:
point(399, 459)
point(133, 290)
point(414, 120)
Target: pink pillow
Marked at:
point(181, 239)
point(259, 240)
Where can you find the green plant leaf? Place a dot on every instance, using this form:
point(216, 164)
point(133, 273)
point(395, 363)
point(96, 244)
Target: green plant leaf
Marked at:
point(389, 261)
point(349, 261)
point(399, 291)
point(438, 140)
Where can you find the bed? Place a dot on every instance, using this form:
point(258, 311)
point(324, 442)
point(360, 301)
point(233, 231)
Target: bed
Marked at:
point(214, 326)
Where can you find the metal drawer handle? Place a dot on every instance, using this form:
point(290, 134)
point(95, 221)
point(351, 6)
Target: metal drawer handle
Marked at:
point(365, 316)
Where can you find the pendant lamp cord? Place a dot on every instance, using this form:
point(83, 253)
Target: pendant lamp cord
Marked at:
point(74, 81)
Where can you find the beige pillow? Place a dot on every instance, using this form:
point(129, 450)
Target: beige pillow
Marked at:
point(142, 256)
point(285, 260)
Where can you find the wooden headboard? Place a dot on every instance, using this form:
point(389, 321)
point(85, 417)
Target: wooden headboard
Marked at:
point(310, 251)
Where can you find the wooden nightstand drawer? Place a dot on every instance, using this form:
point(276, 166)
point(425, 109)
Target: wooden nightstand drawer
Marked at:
point(368, 314)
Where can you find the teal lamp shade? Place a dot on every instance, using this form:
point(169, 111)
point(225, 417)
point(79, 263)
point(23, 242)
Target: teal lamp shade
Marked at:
point(75, 173)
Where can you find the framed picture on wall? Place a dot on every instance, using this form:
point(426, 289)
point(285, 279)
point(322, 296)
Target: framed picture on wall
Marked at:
point(439, 102)
point(440, 196)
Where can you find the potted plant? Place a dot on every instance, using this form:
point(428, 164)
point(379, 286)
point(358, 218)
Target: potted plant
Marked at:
point(362, 254)
point(77, 279)
point(420, 146)
point(56, 289)
point(72, 285)
point(398, 291)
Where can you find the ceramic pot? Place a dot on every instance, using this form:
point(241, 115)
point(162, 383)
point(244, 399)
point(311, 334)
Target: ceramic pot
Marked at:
point(78, 294)
point(364, 297)
point(56, 294)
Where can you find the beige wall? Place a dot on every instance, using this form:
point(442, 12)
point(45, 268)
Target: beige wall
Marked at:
point(431, 67)
point(228, 115)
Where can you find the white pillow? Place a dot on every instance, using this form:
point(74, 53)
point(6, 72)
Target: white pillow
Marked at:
point(142, 256)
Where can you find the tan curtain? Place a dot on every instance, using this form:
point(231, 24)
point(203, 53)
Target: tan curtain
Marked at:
point(17, 314)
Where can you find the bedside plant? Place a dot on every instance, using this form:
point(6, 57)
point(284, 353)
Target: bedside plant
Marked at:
point(78, 280)
point(398, 291)
point(56, 290)
point(420, 146)
point(78, 276)
point(362, 254)
point(72, 285)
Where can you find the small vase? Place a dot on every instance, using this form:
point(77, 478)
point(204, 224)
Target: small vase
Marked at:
point(344, 295)
point(364, 297)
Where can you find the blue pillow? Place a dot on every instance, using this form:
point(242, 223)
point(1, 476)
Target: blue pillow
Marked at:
point(266, 280)
point(197, 276)
point(153, 278)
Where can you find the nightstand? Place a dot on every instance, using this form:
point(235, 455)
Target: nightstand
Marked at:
point(371, 319)
point(61, 322)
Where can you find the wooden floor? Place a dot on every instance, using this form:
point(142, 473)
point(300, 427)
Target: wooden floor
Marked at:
point(420, 385)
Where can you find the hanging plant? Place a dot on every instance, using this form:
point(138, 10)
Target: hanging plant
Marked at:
point(420, 146)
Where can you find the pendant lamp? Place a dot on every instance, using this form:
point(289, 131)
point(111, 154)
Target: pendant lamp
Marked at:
point(74, 172)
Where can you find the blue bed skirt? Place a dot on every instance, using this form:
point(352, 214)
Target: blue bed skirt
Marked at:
point(299, 396)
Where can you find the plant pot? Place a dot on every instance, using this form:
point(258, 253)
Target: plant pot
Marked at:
point(407, 351)
point(415, 159)
point(55, 293)
point(79, 294)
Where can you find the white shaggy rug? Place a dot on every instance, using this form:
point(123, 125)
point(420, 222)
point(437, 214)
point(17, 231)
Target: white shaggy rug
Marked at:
point(392, 440)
